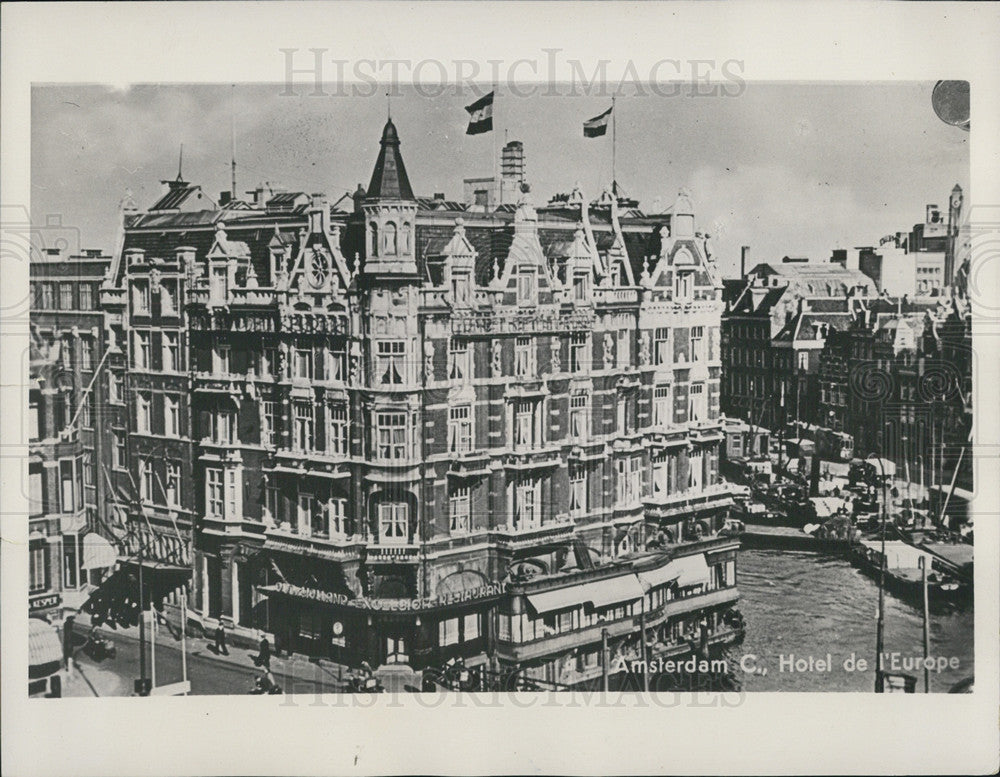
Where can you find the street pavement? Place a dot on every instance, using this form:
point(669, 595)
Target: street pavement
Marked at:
point(208, 673)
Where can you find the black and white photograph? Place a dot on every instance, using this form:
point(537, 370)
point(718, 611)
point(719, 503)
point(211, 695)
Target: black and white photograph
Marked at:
point(425, 382)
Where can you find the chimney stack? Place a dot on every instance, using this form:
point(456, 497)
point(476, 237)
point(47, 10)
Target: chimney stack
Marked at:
point(744, 250)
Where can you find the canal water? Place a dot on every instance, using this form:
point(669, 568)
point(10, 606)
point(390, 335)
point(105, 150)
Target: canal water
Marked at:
point(801, 606)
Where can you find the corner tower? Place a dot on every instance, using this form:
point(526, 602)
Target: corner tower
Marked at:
point(390, 211)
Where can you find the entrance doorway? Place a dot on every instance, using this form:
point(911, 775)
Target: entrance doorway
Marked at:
point(395, 650)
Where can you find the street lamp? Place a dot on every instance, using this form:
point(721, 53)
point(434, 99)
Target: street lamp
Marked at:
point(880, 632)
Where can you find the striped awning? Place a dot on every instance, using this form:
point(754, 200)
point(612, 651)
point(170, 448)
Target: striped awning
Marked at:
point(44, 645)
point(599, 593)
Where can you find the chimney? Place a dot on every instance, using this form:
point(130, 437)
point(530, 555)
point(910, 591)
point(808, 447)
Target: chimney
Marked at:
point(744, 250)
point(438, 195)
point(225, 198)
point(319, 214)
point(359, 198)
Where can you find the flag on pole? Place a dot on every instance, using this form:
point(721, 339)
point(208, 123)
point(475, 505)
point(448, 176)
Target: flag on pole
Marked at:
point(480, 115)
point(597, 126)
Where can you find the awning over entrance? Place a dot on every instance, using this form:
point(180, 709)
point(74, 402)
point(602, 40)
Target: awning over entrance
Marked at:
point(98, 553)
point(599, 593)
point(44, 646)
point(693, 570)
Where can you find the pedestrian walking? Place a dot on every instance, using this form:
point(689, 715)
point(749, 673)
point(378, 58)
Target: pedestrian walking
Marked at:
point(220, 640)
point(264, 656)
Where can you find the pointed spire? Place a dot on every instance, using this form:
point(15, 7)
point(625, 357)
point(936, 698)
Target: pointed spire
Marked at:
point(389, 179)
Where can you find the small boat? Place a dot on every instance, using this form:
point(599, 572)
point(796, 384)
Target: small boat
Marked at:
point(903, 575)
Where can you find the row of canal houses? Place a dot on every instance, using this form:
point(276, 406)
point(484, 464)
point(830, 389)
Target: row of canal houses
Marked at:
point(409, 429)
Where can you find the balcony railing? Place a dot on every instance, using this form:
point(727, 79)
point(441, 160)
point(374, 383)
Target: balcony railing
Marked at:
point(510, 536)
point(616, 296)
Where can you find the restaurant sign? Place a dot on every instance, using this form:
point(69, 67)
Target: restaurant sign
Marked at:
point(489, 591)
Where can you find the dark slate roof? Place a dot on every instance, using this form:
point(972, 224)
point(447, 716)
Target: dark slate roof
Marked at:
point(175, 197)
point(284, 199)
point(389, 179)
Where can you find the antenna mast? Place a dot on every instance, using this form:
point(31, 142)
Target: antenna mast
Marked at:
point(232, 137)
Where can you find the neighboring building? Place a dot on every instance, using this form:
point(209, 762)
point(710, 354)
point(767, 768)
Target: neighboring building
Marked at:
point(921, 262)
point(66, 411)
point(418, 429)
point(483, 193)
point(772, 329)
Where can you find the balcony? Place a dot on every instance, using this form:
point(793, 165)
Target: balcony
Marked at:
point(332, 548)
point(219, 384)
point(514, 537)
point(670, 505)
point(259, 297)
point(434, 298)
point(521, 322)
point(609, 297)
point(392, 554)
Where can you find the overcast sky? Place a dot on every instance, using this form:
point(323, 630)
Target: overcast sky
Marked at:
point(794, 169)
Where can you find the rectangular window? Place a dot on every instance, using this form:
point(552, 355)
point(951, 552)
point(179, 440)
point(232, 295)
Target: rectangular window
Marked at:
point(460, 429)
point(336, 363)
point(524, 424)
point(213, 493)
point(336, 517)
point(661, 346)
point(458, 360)
point(140, 359)
point(581, 286)
point(526, 286)
point(629, 480)
point(527, 504)
point(171, 416)
point(697, 343)
point(219, 284)
point(696, 402)
point(66, 296)
point(448, 632)
point(220, 359)
point(146, 481)
point(304, 514)
point(523, 350)
point(168, 297)
point(224, 426)
point(577, 489)
point(460, 287)
point(391, 435)
point(171, 352)
point(662, 406)
point(683, 284)
point(695, 469)
point(86, 353)
point(116, 390)
point(268, 422)
point(303, 364)
point(268, 362)
point(38, 570)
point(143, 402)
point(470, 626)
point(660, 475)
point(336, 429)
point(392, 523)
point(86, 421)
point(390, 366)
point(173, 484)
point(803, 360)
point(579, 415)
point(623, 353)
point(47, 295)
point(86, 296)
point(66, 481)
point(140, 297)
point(578, 360)
point(304, 428)
point(118, 449)
point(459, 509)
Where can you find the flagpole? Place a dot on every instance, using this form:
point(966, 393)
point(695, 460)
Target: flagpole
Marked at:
point(614, 142)
point(493, 144)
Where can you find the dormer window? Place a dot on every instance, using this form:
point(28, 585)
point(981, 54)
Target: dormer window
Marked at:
point(220, 284)
point(683, 284)
point(526, 286)
point(581, 286)
point(460, 288)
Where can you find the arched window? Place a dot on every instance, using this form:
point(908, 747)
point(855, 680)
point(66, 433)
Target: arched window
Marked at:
point(390, 238)
point(404, 239)
point(374, 230)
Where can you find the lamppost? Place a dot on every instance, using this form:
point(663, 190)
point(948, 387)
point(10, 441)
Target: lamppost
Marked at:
point(880, 632)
